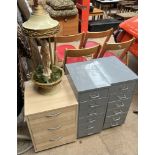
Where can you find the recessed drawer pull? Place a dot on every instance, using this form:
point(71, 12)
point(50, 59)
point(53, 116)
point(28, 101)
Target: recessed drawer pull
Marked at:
point(94, 96)
point(56, 128)
point(125, 88)
point(55, 139)
point(120, 105)
point(120, 112)
point(92, 127)
point(94, 106)
point(116, 119)
point(91, 121)
point(122, 97)
point(114, 124)
point(92, 114)
point(54, 115)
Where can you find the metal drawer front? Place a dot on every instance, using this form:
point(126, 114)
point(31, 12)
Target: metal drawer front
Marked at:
point(113, 123)
point(119, 104)
point(117, 111)
point(119, 96)
point(95, 123)
point(115, 118)
point(92, 118)
point(91, 106)
point(92, 111)
point(94, 94)
point(124, 87)
point(89, 131)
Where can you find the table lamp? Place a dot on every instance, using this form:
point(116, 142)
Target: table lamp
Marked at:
point(40, 25)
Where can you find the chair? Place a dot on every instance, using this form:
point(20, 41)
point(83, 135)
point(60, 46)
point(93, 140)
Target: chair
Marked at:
point(114, 49)
point(69, 42)
point(78, 55)
point(95, 38)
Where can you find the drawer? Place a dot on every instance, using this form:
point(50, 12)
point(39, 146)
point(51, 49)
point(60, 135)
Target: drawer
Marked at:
point(94, 94)
point(88, 106)
point(125, 87)
point(91, 118)
point(89, 131)
point(115, 118)
point(113, 123)
point(92, 111)
point(117, 111)
point(55, 141)
point(119, 104)
point(119, 96)
point(98, 123)
point(41, 136)
point(54, 115)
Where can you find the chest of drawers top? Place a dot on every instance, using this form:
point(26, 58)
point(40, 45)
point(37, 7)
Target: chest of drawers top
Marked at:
point(36, 101)
point(97, 73)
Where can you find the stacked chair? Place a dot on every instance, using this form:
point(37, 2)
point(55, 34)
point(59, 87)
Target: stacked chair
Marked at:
point(80, 47)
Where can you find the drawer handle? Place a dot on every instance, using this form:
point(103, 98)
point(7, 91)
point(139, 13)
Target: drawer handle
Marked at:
point(122, 97)
point(116, 119)
point(125, 88)
point(55, 139)
point(94, 96)
point(120, 105)
point(56, 128)
point(94, 106)
point(91, 121)
point(92, 114)
point(114, 124)
point(90, 133)
point(92, 127)
point(54, 115)
point(120, 112)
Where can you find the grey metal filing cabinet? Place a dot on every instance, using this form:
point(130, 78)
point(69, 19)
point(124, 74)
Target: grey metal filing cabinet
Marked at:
point(104, 89)
point(123, 82)
point(91, 90)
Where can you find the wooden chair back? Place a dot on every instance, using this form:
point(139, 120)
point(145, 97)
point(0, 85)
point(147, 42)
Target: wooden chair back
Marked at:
point(94, 35)
point(81, 52)
point(116, 47)
point(70, 38)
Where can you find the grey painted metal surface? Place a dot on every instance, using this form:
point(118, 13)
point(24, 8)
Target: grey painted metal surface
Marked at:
point(104, 88)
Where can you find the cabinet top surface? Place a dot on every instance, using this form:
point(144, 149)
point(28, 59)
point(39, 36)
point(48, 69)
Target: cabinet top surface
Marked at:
point(37, 101)
point(99, 73)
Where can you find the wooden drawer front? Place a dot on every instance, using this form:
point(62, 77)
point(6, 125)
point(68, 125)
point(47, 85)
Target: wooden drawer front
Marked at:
point(53, 114)
point(70, 26)
point(55, 141)
point(67, 117)
point(46, 135)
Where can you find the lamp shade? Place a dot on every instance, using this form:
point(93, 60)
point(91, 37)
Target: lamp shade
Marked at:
point(40, 24)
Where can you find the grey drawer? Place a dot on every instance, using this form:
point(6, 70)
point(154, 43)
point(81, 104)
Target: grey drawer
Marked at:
point(113, 123)
point(89, 131)
point(123, 87)
point(92, 118)
point(120, 96)
point(115, 118)
point(98, 123)
point(94, 94)
point(119, 103)
point(92, 111)
point(117, 111)
point(85, 105)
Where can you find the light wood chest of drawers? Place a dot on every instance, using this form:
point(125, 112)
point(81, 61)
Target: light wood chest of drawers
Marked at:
point(51, 117)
